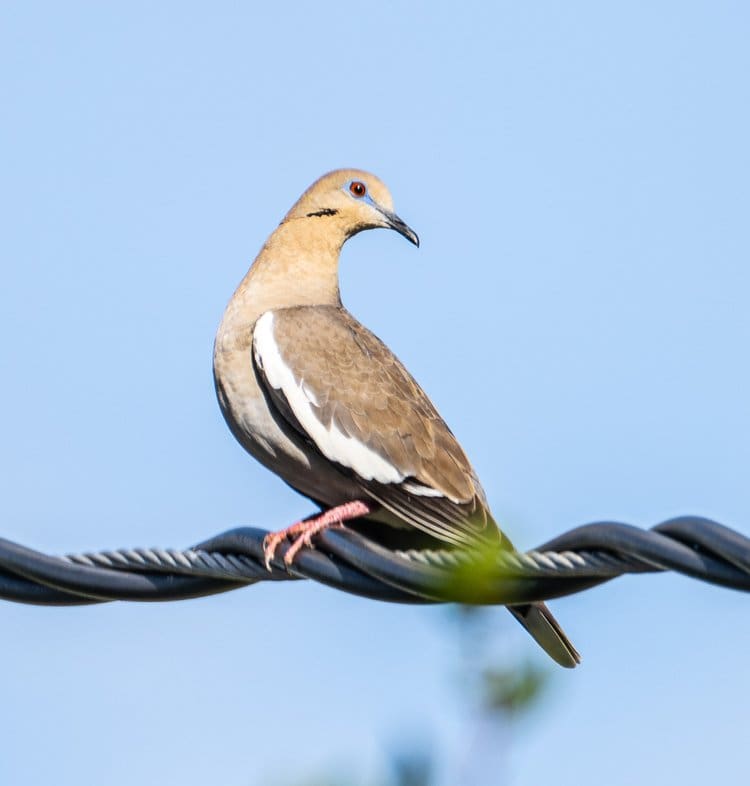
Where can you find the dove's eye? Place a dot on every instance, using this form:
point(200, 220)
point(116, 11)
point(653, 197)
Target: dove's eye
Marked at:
point(358, 189)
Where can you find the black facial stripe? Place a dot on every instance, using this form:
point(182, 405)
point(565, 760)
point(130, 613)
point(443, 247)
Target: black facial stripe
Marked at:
point(326, 211)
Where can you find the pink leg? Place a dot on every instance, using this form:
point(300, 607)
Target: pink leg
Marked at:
point(302, 531)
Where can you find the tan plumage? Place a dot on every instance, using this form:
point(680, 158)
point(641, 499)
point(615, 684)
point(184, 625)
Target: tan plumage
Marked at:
point(326, 405)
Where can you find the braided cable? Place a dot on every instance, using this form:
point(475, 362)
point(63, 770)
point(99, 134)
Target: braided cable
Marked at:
point(347, 560)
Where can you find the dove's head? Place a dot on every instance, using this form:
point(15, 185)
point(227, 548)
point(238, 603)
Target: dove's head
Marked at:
point(351, 201)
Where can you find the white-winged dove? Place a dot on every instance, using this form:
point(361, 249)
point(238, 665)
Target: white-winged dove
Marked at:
point(323, 403)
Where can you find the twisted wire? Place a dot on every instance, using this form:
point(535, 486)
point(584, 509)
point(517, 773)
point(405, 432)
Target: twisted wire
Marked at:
point(347, 560)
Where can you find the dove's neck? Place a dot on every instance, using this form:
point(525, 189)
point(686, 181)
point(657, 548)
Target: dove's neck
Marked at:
point(298, 266)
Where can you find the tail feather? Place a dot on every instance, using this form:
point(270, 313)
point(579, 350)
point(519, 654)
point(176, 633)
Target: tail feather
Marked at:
point(544, 628)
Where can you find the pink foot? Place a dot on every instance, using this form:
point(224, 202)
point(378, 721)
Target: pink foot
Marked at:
point(301, 533)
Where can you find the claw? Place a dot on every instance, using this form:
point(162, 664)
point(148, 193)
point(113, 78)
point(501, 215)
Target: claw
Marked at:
point(297, 544)
point(270, 544)
point(303, 531)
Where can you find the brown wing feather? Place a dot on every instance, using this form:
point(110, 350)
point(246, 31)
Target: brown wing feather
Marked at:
point(361, 387)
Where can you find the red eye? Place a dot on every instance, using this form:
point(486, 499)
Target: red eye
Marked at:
point(358, 189)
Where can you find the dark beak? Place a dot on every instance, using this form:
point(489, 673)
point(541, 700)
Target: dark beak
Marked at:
point(394, 222)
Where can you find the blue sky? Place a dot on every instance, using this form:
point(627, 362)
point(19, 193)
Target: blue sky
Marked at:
point(578, 175)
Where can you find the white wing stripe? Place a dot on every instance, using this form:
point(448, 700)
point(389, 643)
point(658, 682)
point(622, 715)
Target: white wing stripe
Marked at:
point(421, 490)
point(332, 442)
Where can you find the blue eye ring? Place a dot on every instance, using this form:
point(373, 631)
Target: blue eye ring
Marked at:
point(358, 189)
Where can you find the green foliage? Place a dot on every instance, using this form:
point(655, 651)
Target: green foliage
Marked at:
point(513, 690)
point(475, 579)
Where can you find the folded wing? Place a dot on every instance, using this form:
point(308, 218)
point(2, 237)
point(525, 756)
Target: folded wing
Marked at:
point(350, 398)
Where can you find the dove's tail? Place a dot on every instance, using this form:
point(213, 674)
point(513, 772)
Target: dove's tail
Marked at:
point(539, 622)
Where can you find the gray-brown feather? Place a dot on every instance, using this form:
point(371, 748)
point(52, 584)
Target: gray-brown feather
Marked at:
point(359, 386)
